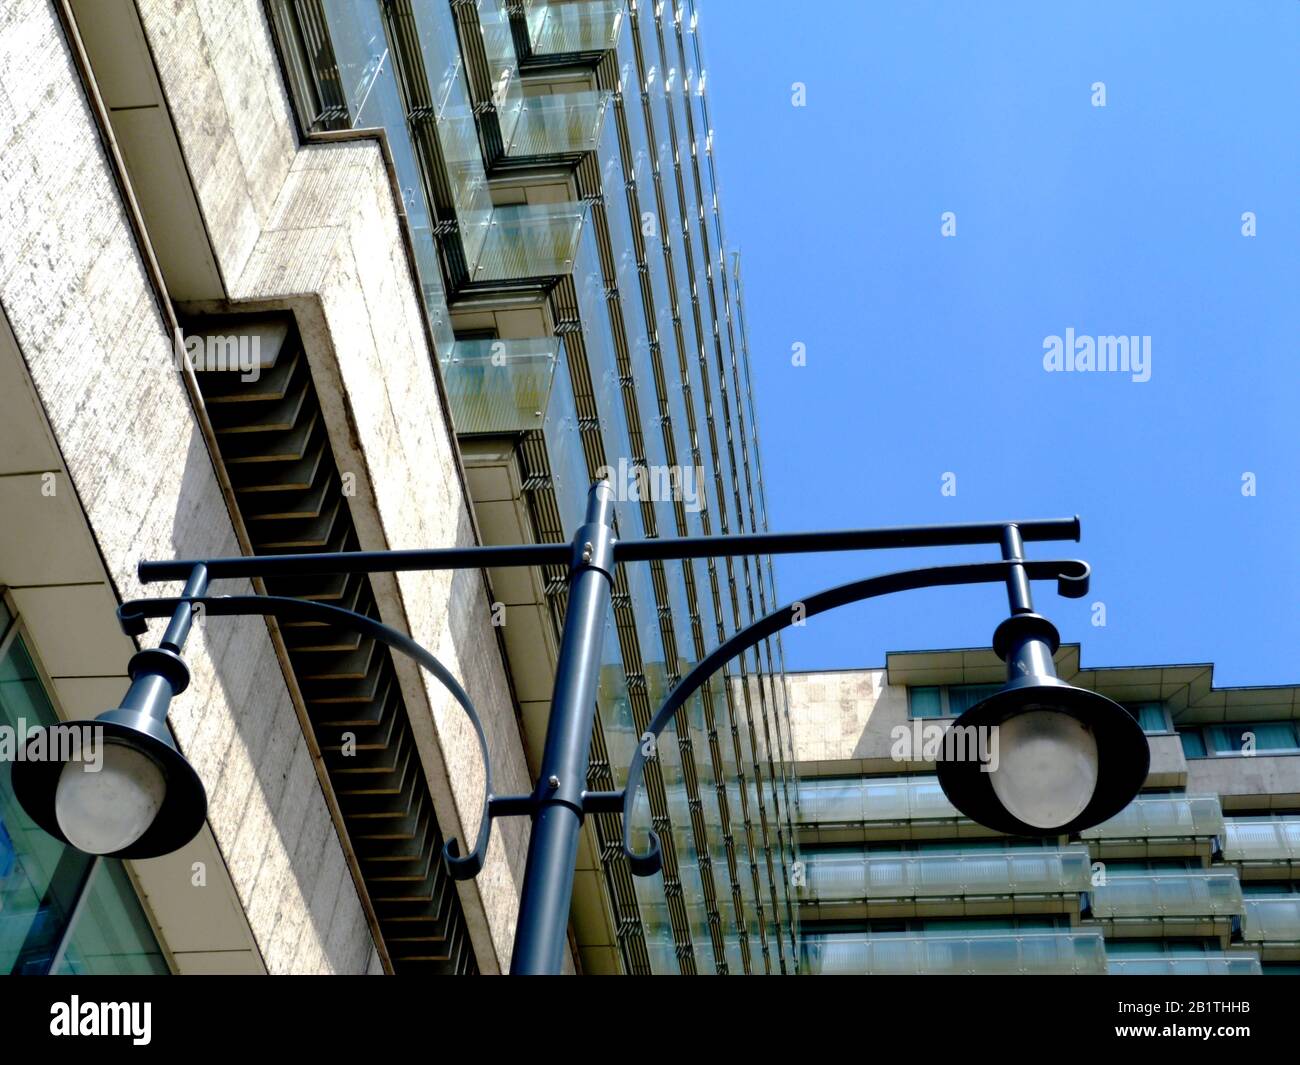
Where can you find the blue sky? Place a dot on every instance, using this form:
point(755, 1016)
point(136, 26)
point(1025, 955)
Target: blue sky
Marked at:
point(924, 353)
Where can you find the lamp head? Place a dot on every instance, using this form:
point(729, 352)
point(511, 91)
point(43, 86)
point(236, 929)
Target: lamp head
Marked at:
point(1061, 758)
point(115, 786)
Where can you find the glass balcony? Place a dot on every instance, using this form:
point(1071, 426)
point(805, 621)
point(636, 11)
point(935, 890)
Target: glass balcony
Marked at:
point(1207, 893)
point(500, 386)
point(1156, 964)
point(502, 63)
point(564, 451)
point(916, 953)
point(1163, 817)
point(1261, 840)
point(1272, 919)
point(561, 123)
point(1009, 872)
point(529, 240)
point(499, 242)
point(853, 802)
point(590, 26)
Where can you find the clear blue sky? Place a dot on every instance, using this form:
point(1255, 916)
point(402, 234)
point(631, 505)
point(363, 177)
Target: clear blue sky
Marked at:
point(925, 353)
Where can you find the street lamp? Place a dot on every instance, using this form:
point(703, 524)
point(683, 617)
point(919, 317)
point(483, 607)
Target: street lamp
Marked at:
point(125, 791)
point(1073, 758)
point(1067, 758)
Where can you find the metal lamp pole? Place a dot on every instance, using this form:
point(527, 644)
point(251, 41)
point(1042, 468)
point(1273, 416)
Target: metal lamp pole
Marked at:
point(540, 936)
point(559, 802)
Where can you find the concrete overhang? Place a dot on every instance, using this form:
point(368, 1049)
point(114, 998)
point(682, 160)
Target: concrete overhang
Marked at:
point(1187, 690)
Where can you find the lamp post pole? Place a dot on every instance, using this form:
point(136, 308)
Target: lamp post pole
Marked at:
point(559, 801)
point(540, 936)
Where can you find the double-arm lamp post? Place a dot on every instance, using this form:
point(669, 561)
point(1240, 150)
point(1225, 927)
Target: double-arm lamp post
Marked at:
point(1068, 758)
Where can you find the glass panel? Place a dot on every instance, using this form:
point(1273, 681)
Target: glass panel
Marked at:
point(1275, 918)
point(1264, 736)
point(1211, 893)
point(529, 240)
point(40, 878)
point(1163, 816)
point(499, 386)
point(961, 697)
point(1263, 839)
point(502, 64)
point(936, 952)
point(564, 449)
point(564, 122)
point(925, 702)
point(1151, 716)
point(841, 876)
point(112, 935)
point(1188, 965)
point(456, 127)
point(365, 66)
point(574, 27)
point(1193, 743)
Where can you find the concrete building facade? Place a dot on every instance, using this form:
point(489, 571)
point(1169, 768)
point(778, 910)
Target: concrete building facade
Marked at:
point(1197, 875)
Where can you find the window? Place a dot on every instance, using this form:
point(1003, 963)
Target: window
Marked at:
point(1270, 736)
point(61, 911)
point(949, 700)
point(925, 702)
point(1151, 716)
point(1225, 741)
point(1129, 947)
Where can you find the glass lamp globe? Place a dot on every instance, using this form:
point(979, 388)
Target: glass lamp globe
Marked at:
point(1047, 769)
point(106, 810)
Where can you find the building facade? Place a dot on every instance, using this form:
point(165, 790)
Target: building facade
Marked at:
point(1197, 875)
point(295, 275)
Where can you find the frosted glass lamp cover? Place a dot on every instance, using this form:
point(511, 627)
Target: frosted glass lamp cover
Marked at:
point(106, 810)
point(1047, 767)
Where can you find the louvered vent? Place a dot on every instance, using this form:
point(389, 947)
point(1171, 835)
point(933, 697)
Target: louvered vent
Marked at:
point(288, 489)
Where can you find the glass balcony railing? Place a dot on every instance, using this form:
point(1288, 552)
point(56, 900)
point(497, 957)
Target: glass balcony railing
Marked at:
point(502, 63)
point(1262, 840)
point(1272, 919)
point(851, 802)
point(560, 123)
point(586, 26)
point(1009, 872)
point(1206, 893)
point(564, 450)
point(529, 240)
point(1156, 964)
point(500, 386)
point(1163, 817)
point(917, 953)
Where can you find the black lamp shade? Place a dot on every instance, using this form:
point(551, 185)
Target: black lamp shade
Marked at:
point(185, 803)
point(1122, 753)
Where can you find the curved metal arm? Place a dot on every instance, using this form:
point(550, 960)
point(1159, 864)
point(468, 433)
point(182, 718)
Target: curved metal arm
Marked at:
point(1072, 582)
point(132, 618)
